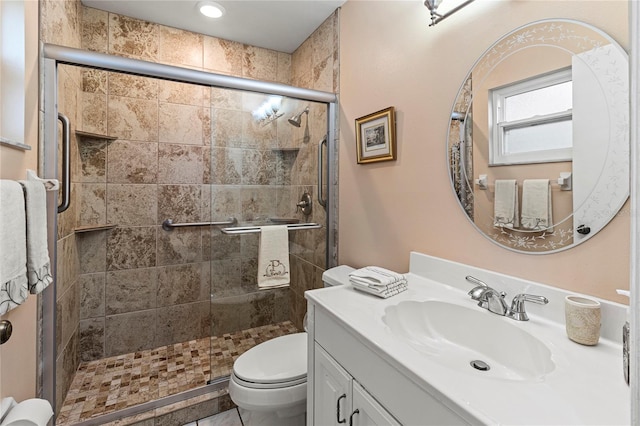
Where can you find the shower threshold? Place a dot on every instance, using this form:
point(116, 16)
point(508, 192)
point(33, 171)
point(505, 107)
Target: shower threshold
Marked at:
point(121, 386)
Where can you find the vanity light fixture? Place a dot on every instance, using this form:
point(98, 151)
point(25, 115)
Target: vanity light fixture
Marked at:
point(441, 9)
point(211, 9)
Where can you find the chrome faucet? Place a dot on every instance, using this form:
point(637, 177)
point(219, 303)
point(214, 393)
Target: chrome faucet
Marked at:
point(493, 301)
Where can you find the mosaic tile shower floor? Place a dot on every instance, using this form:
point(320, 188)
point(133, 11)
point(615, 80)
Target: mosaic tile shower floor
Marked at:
point(110, 384)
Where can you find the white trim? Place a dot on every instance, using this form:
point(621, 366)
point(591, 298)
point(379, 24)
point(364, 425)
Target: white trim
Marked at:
point(634, 136)
point(12, 77)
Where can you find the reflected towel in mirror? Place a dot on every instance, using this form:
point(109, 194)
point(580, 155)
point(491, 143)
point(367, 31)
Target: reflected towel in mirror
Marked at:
point(506, 204)
point(536, 205)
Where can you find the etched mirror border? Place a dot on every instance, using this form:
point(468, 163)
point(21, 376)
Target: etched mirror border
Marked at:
point(612, 188)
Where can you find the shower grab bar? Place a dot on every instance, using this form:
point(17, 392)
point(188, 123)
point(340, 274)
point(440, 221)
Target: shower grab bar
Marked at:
point(254, 229)
point(168, 224)
point(66, 164)
point(321, 200)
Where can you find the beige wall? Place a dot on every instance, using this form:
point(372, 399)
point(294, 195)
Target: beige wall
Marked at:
point(18, 355)
point(390, 56)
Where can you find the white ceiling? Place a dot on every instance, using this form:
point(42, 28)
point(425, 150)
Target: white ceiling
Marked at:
point(281, 25)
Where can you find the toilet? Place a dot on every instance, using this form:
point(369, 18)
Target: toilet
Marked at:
point(269, 381)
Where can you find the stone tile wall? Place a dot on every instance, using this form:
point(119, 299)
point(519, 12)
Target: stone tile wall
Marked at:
point(183, 152)
point(314, 65)
point(190, 154)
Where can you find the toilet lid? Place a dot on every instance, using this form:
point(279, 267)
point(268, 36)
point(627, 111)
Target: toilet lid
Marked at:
point(278, 360)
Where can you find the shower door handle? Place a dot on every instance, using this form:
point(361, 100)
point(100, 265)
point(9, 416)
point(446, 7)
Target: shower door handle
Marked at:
point(321, 200)
point(66, 164)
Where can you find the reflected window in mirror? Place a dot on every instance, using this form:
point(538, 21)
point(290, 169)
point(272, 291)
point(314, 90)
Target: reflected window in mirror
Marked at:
point(530, 120)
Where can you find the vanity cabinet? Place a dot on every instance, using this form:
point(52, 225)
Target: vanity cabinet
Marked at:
point(339, 399)
point(346, 375)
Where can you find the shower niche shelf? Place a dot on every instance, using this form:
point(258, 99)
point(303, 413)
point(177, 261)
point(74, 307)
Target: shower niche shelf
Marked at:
point(89, 135)
point(92, 228)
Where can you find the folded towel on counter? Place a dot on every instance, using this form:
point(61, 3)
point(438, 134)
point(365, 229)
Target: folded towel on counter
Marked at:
point(378, 281)
point(381, 291)
point(536, 205)
point(375, 275)
point(505, 204)
point(273, 257)
point(13, 246)
point(38, 263)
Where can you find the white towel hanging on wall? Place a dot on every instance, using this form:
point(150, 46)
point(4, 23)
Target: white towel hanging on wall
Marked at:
point(38, 263)
point(13, 246)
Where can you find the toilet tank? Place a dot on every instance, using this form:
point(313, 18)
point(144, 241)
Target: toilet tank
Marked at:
point(338, 275)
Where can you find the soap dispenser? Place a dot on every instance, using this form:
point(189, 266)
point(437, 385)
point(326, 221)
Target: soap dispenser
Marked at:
point(625, 341)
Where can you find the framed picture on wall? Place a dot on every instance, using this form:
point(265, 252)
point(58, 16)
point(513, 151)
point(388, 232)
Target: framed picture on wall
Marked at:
point(376, 136)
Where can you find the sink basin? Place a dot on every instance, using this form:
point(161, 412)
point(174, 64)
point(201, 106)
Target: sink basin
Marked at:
point(455, 336)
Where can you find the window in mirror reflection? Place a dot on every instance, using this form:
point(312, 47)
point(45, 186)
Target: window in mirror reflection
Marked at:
point(530, 121)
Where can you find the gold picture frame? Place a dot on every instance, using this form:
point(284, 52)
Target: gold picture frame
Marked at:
point(376, 136)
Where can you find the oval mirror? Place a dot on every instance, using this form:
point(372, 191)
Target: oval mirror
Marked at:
point(538, 143)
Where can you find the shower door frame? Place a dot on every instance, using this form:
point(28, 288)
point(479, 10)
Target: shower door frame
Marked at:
point(52, 56)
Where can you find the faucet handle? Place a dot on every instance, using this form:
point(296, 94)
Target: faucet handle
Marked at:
point(477, 292)
point(476, 281)
point(518, 312)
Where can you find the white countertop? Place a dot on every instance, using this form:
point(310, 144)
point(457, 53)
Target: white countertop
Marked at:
point(585, 387)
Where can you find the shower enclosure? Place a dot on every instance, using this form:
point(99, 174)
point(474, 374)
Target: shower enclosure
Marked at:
point(167, 176)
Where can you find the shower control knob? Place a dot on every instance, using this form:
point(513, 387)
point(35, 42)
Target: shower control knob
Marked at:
point(305, 204)
point(5, 331)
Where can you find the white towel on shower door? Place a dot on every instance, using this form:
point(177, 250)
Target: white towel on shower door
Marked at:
point(273, 257)
point(536, 205)
point(38, 263)
point(505, 204)
point(13, 246)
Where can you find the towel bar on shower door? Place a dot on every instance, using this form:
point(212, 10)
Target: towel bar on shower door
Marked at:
point(168, 224)
point(254, 229)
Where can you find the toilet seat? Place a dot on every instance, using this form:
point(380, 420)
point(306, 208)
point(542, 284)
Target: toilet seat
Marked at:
point(278, 385)
point(277, 363)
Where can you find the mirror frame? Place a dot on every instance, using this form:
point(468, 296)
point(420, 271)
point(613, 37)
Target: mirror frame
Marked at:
point(557, 35)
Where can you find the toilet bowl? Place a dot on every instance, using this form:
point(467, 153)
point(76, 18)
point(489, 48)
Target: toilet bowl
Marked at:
point(269, 381)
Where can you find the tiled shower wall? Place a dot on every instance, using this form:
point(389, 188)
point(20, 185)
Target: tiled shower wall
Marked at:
point(187, 153)
point(314, 65)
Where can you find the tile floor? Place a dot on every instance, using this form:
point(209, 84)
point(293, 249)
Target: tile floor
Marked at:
point(110, 384)
point(226, 418)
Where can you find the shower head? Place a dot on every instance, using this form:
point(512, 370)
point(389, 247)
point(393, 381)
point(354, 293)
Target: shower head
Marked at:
point(296, 120)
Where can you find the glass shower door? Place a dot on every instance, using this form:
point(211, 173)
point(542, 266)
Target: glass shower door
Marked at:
point(262, 165)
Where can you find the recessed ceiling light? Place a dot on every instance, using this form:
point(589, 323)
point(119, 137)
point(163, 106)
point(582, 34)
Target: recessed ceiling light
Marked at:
point(211, 9)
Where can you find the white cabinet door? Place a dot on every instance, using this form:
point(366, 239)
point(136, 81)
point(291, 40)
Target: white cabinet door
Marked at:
point(367, 411)
point(331, 389)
